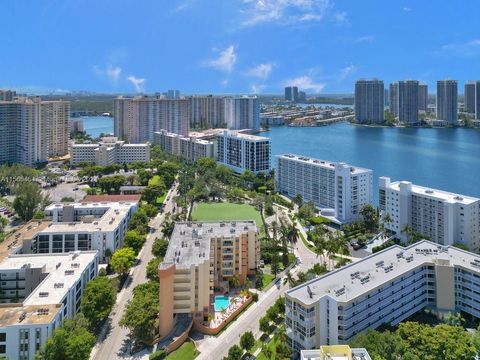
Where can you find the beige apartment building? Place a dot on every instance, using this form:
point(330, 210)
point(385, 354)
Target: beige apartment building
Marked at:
point(202, 258)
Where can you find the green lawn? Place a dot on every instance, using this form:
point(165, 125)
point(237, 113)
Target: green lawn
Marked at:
point(185, 352)
point(225, 211)
point(161, 198)
point(266, 279)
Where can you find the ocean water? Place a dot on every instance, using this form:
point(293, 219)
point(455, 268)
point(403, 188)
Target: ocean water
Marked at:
point(447, 159)
point(95, 125)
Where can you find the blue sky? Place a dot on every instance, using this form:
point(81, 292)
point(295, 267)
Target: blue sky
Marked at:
point(234, 46)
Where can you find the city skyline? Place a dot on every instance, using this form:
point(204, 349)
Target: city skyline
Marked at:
point(238, 47)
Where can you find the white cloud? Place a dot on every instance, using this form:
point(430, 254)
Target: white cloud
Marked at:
point(138, 83)
point(407, 9)
point(467, 48)
point(261, 71)
point(110, 72)
point(256, 89)
point(305, 83)
point(341, 18)
point(347, 71)
point(365, 39)
point(284, 11)
point(225, 61)
point(184, 5)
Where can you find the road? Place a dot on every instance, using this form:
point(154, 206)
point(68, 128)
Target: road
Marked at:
point(115, 344)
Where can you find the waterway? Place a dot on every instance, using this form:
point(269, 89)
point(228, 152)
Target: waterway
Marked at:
point(96, 125)
point(447, 159)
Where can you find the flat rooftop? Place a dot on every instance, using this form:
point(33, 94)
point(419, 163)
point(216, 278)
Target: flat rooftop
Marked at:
point(14, 242)
point(111, 198)
point(435, 194)
point(190, 241)
point(64, 270)
point(363, 276)
point(232, 133)
point(321, 163)
point(13, 314)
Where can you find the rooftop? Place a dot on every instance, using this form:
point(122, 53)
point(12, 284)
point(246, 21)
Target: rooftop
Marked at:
point(434, 193)
point(190, 241)
point(241, 135)
point(64, 270)
point(13, 243)
point(321, 163)
point(111, 198)
point(335, 352)
point(365, 275)
point(11, 314)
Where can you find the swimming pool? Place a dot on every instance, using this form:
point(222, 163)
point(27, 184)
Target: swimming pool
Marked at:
point(221, 302)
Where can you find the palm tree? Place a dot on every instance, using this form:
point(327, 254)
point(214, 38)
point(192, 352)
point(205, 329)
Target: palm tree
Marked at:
point(320, 245)
point(407, 231)
point(289, 280)
point(235, 281)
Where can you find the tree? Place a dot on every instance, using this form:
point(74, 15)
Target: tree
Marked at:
point(275, 266)
point(264, 323)
point(247, 178)
point(306, 211)
point(298, 200)
point(111, 184)
point(38, 215)
point(152, 269)
point(152, 192)
point(134, 240)
point(98, 300)
point(139, 222)
point(247, 340)
point(28, 198)
point(289, 280)
point(122, 260)
point(167, 228)
point(71, 342)
point(157, 355)
point(141, 312)
point(159, 247)
point(369, 216)
point(235, 353)
point(67, 199)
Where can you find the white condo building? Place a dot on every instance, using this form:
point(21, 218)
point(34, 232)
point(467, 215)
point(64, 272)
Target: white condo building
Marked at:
point(384, 288)
point(189, 148)
point(242, 152)
point(109, 151)
point(445, 218)
point(38, 292)
point(78, 226)
point(337, 189)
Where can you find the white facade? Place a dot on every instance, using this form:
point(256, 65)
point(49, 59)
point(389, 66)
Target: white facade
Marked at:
point(79, 227)
point(51, 286)
point(384, 288)
point(242, 112)
point(242, 152)
point(190, 148)
point(108, 152)
point(445, 218)
point(337, 189)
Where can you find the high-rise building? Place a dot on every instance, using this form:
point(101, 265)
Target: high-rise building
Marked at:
point(393, 98)
point(291, 93)
point(386, 99)
point(445, 218)
point(7, 95)
point(242, 152)
point(337, 189)
point(447, 101)
point(207, 111)
point(242, 112)
point(173, 94)
point(423, 97)
point(369, 101)
point(189, 148)
point(470, 97)
point(201, 257)
point(136, 119)
point(408, 101)
point(384, 288)
point(32, 130)
point(477, 100)
point(302, 96)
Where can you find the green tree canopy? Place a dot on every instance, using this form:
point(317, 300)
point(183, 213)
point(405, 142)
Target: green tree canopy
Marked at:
point(28, 198)
point(159, 247)
point(122, 260)
point(98, 300)
point(247, 340)
point(134, 240)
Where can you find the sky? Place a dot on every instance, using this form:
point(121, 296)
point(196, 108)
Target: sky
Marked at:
point(234, 46)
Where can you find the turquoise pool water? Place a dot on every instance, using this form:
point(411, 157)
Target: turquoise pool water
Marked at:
point(221, 302)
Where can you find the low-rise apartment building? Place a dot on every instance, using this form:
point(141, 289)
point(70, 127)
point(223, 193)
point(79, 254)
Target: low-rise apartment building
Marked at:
point(77, 227)
point(445, 218)
point(335, 352)
point(202, 256)
point(38, 292)
point(384, 288)
point(109, 151)
point(240, 151)
point(339, 190)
